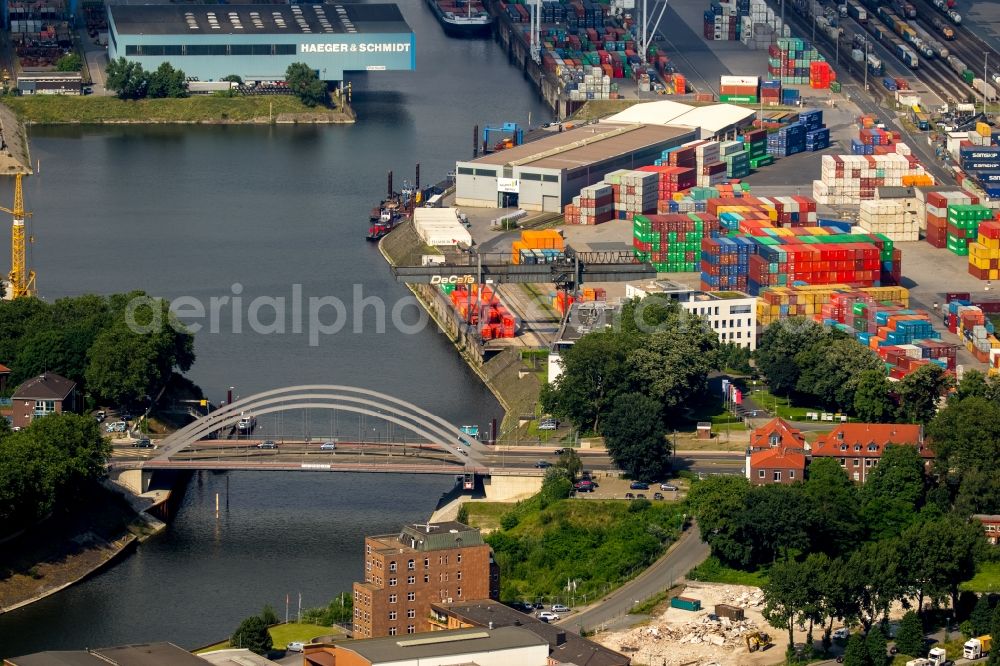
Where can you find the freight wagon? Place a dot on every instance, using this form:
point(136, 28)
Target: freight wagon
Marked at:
point(906, 31)
point(984, 89)
point(946, 30)
point(940, 50)
point(857, 12)
point(942, 6)
point(904, 9)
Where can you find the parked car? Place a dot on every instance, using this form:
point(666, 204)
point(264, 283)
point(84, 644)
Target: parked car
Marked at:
point(585, 486)
point(547, 616)
point(295, 646)
point(843, 633)
point(548, 424)
point(542, 464)
point(116, 426)
point(268, 444)
point(100, 415)
point(328, 446)
point(523, 606)
point(657, 496)
point(559, 452)
point(639, 485)
point(666, 487)
point(629, 496)
point(640, 496)
point(143, 443)
point(559, 608)
point(538, 605)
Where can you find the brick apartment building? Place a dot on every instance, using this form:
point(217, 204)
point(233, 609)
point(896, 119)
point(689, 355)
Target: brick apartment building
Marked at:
point(991, 527)
point(423, 564)
point(859, 446)
point(776, 454)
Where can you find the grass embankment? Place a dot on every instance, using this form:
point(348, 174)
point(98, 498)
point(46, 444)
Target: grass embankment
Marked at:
point(784, 407)
point(713, 571)
point(987, 580)
point(599, 544)
point(61, 109)
point(283, 634)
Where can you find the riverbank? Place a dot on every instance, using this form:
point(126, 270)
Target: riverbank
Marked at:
point(204, 109)
point(68, 548)
point(506, 374)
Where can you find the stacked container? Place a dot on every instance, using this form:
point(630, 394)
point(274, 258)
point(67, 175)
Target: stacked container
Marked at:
point(976, 331)
point(777, 303)
point(895, 218)
point(537, 247)
point(821, 75)
point(984, 254)
point(936, 213)
point(482, 309)
point(671, 242)
point(671, 181)
point(770, 92)
point(790, 60)
point(724, 263)
point(849, 179)
point(634, 192)
point(963, 226)
point(739, 89)
point(789, 140)
point(594, 205)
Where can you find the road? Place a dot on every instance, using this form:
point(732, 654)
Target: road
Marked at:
point(688, 552)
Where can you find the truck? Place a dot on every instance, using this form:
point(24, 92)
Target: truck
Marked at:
point(977, 648)
point(936, 657)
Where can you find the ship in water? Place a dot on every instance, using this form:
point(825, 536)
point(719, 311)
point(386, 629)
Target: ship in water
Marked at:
point(390, 213)
point(462, 18)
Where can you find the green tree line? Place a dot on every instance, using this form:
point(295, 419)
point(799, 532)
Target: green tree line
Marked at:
point(130, 81)
point(47, 466)
point(828, 368)
point(93, 340)
point(635, 380)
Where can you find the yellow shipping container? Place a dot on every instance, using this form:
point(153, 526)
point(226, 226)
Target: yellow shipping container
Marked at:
point(982, 129)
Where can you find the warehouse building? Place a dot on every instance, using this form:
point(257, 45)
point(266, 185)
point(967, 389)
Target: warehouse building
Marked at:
point(259, 42)
point(545, 174)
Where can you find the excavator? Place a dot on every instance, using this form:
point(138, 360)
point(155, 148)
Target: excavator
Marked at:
point(757, 640)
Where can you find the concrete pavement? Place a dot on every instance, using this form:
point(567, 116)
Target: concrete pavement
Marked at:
point(681, 557)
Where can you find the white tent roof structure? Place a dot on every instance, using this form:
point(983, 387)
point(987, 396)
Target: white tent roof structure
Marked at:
point(710, 119)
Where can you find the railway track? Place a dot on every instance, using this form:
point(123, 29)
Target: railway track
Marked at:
point(967, 46)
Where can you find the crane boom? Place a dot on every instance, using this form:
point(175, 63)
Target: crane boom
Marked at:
point(22, 281)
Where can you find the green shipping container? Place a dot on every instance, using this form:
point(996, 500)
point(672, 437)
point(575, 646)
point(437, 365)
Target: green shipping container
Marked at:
point(968, 76)
point(738, 99)
point(685, 603)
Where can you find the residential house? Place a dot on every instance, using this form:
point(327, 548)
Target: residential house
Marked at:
point(859, 446)
point(39, 396)
point(776, 433)
point(991, 526)
point(776, 454)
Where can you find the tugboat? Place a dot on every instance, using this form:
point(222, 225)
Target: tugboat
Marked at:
point(390, 213)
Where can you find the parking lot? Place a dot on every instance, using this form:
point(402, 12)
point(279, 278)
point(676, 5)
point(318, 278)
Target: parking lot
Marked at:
point(617, 488)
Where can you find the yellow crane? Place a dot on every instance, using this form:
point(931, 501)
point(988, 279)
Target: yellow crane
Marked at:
point(22, 281)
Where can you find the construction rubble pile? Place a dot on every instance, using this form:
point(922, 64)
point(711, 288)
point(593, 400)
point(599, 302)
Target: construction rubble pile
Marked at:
point(679, 637)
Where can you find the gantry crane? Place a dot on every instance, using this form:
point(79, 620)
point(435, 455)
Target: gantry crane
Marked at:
point(22, 281)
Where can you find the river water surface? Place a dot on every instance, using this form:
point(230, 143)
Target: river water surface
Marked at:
point(203, 212)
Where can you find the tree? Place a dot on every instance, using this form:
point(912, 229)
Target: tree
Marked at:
point(252, 635)
point(894, 491)
point(268, 615)
point(303, 81)
point(786, 596)
point(735, 358)
point(556, 485)
point(127, 78)
point(167, 82)
point(718, 503)
point(778, 347)
point(874, 578)
point(830, 370)
point(876, 647)
point(835, 499)
point(981, 616)
point(872, 403)
point(994, 659)
point(233, 78)
point(920, 391)
point(856, 652)
point(636, 438)
point(71, 62)
point(778, 522)
point(910, 636)
point(966, 435)
point(833, 585)
point(570, 461)
point(973, 384)
point(594, 374)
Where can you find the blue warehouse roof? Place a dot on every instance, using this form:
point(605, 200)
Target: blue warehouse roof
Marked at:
point(300, 19)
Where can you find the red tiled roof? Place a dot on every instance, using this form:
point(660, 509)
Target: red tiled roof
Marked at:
point(863, 434)
point(4, 370)
point(788, 436)
point(780, 457)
